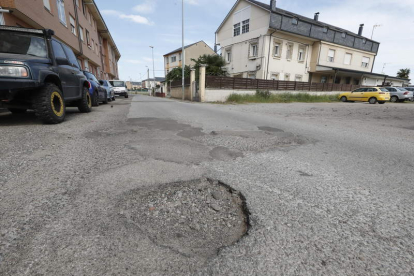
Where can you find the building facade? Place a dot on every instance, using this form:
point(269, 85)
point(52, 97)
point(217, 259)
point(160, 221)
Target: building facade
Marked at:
point(193, 51)
point(261, 41)
point(149, 83)
point(78, 23)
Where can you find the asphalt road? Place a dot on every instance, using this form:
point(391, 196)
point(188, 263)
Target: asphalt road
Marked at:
point(329, 189)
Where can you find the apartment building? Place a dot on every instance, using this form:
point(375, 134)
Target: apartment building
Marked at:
point(262, 41)
point(193, 51)
point(78, 23)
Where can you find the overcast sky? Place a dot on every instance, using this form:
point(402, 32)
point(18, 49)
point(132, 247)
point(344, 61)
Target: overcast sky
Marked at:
point(137, 24)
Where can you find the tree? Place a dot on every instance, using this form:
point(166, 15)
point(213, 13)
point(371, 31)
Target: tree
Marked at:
point(177, 73)
point(214, 65)
point(404, 73)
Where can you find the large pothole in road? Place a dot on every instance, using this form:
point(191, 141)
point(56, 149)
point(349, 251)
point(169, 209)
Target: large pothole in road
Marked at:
point(194, 218)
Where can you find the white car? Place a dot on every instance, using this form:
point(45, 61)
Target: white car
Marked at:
point(120, 88)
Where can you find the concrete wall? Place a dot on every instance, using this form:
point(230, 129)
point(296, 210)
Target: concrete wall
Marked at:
point(218, 95)
point(340, 52)
point(177, 93)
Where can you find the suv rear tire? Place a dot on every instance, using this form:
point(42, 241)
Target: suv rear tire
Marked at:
point(85, 104)
point(49, 105)
point(95, 99)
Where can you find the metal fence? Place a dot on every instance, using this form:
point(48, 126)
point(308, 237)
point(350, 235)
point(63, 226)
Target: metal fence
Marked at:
point(256, 84)
point(179, 83)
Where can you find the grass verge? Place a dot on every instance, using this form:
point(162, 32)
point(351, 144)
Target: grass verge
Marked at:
point(266, 97)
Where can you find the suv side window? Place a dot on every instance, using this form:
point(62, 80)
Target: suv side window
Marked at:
point(58, 50)
point(71, 56)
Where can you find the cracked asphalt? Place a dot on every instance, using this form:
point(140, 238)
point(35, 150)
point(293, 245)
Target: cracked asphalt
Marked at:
point(329, 189)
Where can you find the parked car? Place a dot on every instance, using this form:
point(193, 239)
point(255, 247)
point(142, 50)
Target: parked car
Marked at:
point(399, 94)
point(109, 89)
point(98, 92)
point(366, 94)
point(41, 73)
point(411, 89)
point(120, 88)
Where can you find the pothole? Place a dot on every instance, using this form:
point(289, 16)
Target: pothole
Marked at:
point(194, 218)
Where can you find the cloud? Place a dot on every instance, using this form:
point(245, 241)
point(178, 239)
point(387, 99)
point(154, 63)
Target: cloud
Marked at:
point(131, 17)
point(147, 7)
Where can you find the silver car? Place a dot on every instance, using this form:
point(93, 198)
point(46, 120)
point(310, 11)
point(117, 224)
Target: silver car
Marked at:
point(411, 89)
point(109, 89)
point(399, 94)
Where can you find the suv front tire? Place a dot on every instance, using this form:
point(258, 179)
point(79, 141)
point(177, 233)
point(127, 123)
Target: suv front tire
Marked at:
point(49, 105)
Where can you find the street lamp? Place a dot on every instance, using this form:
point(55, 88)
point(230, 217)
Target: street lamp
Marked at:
point(373, 29)
point(153, 66)
point(183, 54)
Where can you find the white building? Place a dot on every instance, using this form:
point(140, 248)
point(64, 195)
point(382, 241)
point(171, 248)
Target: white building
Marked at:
point(265, 42)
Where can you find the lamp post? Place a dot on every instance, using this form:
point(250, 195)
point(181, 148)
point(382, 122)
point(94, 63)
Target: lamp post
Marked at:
point(153, 67)
point(183, 51)
point(373, 29)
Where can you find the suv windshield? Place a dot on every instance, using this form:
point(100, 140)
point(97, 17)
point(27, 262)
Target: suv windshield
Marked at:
point(117, 83)
point(22, 44)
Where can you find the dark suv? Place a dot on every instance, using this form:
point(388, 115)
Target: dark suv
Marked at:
point(41, 73)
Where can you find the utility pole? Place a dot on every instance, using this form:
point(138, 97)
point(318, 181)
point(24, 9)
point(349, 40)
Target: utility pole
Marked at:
point(153, 66)
point(183, 54)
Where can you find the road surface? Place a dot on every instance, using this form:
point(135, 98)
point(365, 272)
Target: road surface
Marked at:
point(328, 190)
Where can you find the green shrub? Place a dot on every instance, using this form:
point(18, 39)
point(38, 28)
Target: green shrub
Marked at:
point(265, 94)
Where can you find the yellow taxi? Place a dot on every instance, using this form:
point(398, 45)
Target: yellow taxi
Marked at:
point(372, 95)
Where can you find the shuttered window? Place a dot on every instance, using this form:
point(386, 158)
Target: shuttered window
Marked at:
point(365, 62)
point(331, 55)
point(348, 58)
point(61, 11)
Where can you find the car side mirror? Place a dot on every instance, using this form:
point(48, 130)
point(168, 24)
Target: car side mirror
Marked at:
point(62, 61)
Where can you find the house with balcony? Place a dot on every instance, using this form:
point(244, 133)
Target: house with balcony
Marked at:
point(193, 51)
point(262, 41)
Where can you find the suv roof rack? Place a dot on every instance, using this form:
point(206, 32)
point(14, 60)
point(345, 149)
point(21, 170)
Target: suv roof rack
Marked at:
point(46, 32)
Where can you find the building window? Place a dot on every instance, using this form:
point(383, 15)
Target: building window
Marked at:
point(1, 19)
point(301, 53)
point(180, 57)
point(294, 21)
point(88, 39)
point(237, 29)
point(252, 76)
point(90, 18)
point(298, 78)
point(84, 8)
point(86, 65)
point(46, 3)
point(72, 25)
point(331, 56)
point(324, 79)
point(93, 45)
point(77, 3)
point(173, 59)
point(287, 77)
point(343, 35)
point(61, 11)
point(348, 59)
point(228, 56)
point(253, 50)
point(246, 26)
point(289, 52)
point(81, 33)
point(325, 30)
point(365, 62)
point(274, 76)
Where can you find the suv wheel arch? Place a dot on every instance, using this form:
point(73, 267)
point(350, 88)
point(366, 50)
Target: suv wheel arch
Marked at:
point(54, 79)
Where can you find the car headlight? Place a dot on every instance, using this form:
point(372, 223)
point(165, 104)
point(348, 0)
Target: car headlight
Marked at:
point(13, 71)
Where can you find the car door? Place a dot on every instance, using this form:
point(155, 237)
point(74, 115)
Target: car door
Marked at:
point(78, 75)
point(66, 71)
point(368, 93)
point(356, 94)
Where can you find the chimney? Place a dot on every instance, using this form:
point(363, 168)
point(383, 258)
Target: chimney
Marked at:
point(273, 5)
point(316, 18)
point(361, 29)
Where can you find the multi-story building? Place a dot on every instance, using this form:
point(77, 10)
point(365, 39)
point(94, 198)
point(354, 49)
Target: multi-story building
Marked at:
point(262, 41)
point(78, 23)
point(193, 51)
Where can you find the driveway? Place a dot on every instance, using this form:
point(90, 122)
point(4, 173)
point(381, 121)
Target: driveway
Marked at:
point(161, 187)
